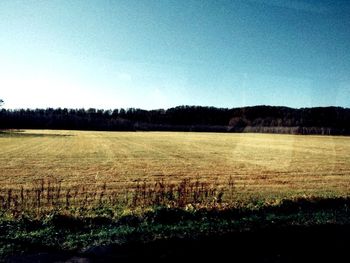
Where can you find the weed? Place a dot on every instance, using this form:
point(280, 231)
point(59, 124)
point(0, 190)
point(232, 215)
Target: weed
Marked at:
point(45, 196)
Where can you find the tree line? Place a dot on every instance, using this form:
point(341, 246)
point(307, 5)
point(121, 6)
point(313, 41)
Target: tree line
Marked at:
point(270, 119)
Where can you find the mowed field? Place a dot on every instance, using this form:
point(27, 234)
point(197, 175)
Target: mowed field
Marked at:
point(261, 165)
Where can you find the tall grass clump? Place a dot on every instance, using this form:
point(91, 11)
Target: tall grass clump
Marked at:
point(178, 195)
point(45, 196)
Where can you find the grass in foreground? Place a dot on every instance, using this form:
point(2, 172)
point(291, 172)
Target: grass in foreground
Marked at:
point(45, 219)
point(80, 235)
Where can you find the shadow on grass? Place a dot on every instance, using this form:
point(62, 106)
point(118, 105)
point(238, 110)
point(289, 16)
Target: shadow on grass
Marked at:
point(299, 230)
point(14, 134)
point(321, 243)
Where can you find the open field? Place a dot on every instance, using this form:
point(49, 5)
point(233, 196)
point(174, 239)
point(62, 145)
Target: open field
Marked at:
point(261, 165)
point(62, 196)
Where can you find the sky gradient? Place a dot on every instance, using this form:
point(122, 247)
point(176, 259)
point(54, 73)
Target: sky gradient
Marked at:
point(160, 54)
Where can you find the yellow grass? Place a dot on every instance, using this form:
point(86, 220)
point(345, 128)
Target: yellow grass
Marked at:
point(260, 164)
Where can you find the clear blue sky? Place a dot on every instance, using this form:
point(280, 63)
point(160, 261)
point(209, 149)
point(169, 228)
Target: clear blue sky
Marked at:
point(159, 54)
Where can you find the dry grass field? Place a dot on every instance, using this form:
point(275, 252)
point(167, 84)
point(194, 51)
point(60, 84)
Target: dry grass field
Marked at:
point(261, 165)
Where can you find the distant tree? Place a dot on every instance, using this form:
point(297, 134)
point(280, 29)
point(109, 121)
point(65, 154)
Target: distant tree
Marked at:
point(115, 113)
point(122, 113)
point(326, 120)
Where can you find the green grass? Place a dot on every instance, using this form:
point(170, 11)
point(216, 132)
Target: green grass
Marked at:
point(56, 232)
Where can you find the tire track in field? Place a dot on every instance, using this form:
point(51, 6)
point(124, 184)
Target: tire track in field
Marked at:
point(123, 162)
point(184, 167)
point(159, 156)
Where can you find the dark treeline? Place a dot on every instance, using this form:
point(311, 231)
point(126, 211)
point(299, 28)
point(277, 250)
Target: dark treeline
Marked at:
point(269, 119)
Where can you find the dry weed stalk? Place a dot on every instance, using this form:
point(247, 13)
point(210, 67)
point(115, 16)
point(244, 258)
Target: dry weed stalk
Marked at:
point(48, 195)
